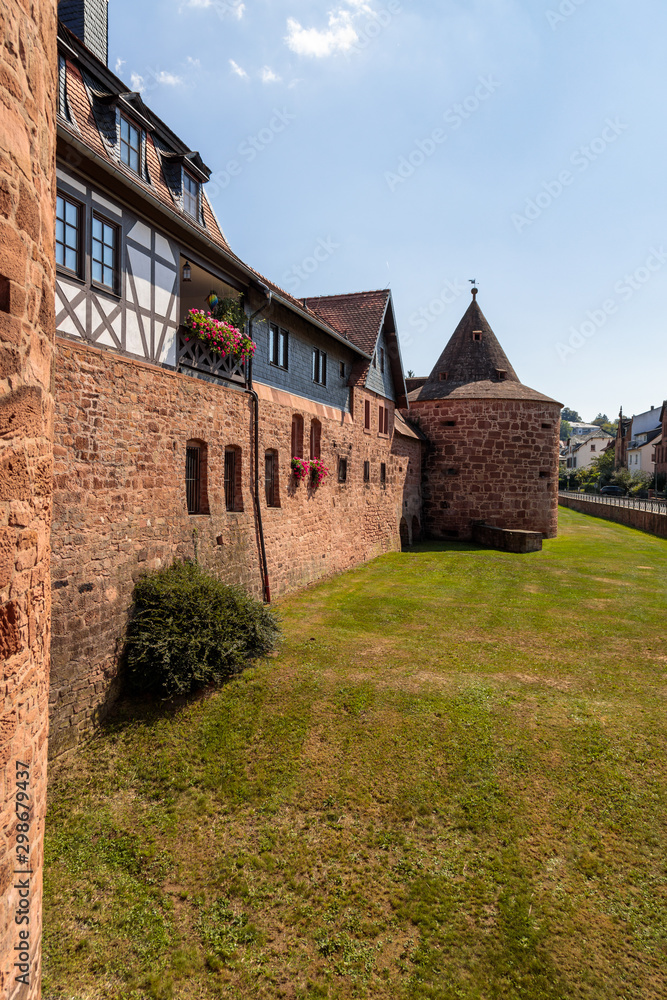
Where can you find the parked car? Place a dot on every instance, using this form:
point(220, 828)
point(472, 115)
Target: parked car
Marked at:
point(612, 491)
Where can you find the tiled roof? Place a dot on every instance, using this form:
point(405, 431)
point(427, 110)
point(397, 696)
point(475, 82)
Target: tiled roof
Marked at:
point(406, 429)
point(357, 315)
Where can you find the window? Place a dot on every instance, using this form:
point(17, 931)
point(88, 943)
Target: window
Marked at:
point(297, 436)
point(383, 473)
point(367, 415)
point(443, 376)
point(233, 495)
point(476, 334)
point(341, 369)
point(592, 447)
point(69, 216)
point(271, 479)
point(190, 195)
point(130, 145)
point(383, 420)
point(105, 253)
point(342, 470)
point(319, 367)
point(195, 477)
point(315, 438)
point(367, 472)
point(386, 419)
point(278, 344)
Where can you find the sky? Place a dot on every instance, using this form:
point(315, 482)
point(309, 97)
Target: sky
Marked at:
point(363, 144)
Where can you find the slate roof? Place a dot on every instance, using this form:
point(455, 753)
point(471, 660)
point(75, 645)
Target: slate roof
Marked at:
point(474, 365)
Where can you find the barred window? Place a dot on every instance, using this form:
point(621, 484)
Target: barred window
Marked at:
point(233, 495)
point(297, 436)
point(196, 494)
point(271, 479)
point(315, 438)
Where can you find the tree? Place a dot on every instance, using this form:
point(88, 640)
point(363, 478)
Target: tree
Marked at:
point(604, 423)
point(569, 415)
point(601, 419)
point(565, 430)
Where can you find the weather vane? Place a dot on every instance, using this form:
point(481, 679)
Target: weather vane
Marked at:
point(473, 281)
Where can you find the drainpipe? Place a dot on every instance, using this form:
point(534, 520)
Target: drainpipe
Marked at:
point(258, 510)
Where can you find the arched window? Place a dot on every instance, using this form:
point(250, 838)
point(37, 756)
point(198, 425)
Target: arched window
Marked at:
point(315, 438)
point(271, 481)
point(196, 466)
point(297, 436)
point(233, 478)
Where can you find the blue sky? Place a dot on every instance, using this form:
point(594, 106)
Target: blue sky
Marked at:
point(421, 144)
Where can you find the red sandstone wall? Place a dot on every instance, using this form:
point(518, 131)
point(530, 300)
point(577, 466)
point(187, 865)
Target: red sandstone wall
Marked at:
point(496, 451)
point(119, 505)
point(27, 179)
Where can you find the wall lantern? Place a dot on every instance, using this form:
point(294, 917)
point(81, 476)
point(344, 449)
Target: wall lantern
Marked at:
point(187, 271)
point(212, 300)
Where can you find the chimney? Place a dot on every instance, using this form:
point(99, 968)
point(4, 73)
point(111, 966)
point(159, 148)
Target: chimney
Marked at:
point(89, 21)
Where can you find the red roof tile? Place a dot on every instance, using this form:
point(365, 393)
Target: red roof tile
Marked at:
point(357, 315)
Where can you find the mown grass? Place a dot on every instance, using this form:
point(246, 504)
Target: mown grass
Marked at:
point(449, 785)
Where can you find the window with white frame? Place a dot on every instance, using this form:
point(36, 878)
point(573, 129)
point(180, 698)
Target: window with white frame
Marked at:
point(131, 143)
point(190, 195)
point(319, 366)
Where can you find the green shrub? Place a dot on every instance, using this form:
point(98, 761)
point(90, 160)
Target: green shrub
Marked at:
point(188, 630)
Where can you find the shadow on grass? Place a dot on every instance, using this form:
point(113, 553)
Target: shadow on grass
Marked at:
point(446, 546)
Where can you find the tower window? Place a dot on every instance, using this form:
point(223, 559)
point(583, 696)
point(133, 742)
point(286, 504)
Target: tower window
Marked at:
point(476, 334)
point(443, 376)
point(342, 470)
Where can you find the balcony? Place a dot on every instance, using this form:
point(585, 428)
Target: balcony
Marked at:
point(194, 358)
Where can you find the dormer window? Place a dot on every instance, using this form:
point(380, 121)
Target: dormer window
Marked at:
point(190, 195)
point(443, 376)
point(501, 374)
point(130, 145)
point(476, 334)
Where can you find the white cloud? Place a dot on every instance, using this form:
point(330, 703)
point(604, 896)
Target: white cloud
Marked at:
point(170, 79)
point(119, 65)
point(339, 36)
point(194, 63)
point(268, 76)
point(137, 82)
point(234, 7)
point(238, 70)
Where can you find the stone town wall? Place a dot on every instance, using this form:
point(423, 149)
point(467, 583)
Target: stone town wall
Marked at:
point(120, 505)
point(27, 290)
point(632, 517)
point(491, 460)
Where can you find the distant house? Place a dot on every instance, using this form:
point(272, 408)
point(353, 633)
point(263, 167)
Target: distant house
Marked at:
point(639, 441)
point(581, 451)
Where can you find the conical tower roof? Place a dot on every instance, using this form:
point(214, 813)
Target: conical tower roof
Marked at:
point(473, 364)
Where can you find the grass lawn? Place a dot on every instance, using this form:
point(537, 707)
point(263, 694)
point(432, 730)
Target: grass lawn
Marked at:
point(450, 783)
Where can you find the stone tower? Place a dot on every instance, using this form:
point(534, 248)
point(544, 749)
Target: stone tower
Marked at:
point(28, 85)
point(493, 442)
